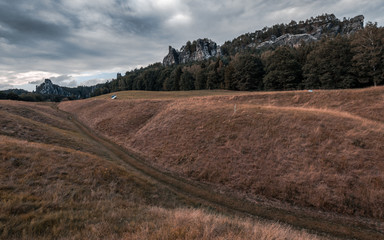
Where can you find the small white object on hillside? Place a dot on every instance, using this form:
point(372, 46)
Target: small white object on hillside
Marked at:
point(114, 97)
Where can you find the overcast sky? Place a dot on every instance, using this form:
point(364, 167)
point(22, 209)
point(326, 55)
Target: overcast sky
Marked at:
point(82, 42)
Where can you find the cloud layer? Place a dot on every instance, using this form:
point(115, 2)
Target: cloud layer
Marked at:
point(71, 41)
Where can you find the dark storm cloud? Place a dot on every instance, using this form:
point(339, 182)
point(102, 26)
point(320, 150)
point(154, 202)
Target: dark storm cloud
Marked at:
point(19, 24)
point(68, 38)
point(136, 25)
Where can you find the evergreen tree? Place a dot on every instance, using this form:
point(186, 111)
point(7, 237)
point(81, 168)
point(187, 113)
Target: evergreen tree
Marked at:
point(164, 76)
point(215, 78)
point(228, 78)
point(138, 83)
point(247, 73)
point(173, 82)
point(3, 95)
point(176, 75)
point(368, 47)
point(329, 65)
point(12, 96)
point(212, 80)
point(129, 80)
point(122, 84)
point(201, 80)
point(150, 77)
point(283, 71)
point(187, 81)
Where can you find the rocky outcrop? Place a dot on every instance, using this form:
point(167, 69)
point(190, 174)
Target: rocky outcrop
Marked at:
point(286, 40)
point(172, 57)
point(353, 25)
point(48, 88)
point(316, 27)
point(198, 50)
point(293, 34)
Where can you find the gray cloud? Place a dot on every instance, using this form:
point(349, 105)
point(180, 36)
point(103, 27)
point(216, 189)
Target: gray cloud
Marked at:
point(67, 38)
point(24, 25)
point(61, 79)
point(72, 83)
point(38, 82)
point(92, 82)
point(5, 86)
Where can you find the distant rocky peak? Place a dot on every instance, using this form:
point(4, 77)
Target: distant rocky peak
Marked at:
point(354, 24)
point(48, 88)
point(172, 57)
point(197, 50)
point(294, 34)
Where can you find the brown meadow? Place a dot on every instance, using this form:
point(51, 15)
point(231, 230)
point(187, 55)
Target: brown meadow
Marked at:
point(321, 149)
point(57, 183)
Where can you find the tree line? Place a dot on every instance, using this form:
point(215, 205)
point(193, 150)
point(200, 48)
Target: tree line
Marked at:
point(242, 42)
point(348, 61)
point(21, 95)
point(80, 92)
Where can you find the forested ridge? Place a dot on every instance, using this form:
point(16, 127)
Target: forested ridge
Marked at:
point(335, 55)
point(342, 61)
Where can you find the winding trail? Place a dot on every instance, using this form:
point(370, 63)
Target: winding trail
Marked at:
point(200, 195)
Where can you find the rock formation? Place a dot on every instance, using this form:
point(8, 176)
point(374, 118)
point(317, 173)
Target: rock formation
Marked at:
point(48, 88)
point(286, 40)
point(172, 57)
point(316, 28)
point(292, 34)
point(199, 50)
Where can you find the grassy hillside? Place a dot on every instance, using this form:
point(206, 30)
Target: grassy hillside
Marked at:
point(322, 150)
point(57, 183)
point(171, 95)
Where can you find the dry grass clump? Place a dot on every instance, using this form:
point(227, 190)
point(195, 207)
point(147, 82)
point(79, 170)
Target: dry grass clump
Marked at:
point(322, 150)
point(197, 224)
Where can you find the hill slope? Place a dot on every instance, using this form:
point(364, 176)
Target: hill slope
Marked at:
point(56, 182)
point(319, 149)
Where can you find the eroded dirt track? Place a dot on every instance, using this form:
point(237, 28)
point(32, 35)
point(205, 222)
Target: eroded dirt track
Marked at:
point(200, 195)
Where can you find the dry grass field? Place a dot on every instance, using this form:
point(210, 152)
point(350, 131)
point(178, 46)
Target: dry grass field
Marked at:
point(57, 183)
point(322, 150)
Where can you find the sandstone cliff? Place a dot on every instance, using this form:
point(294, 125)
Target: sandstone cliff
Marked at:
point(315, 29)
point(48, 88)
point(198, 50)
point(292, 34)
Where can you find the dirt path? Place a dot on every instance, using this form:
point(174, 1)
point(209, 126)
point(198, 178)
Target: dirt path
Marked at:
point(200, 195)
